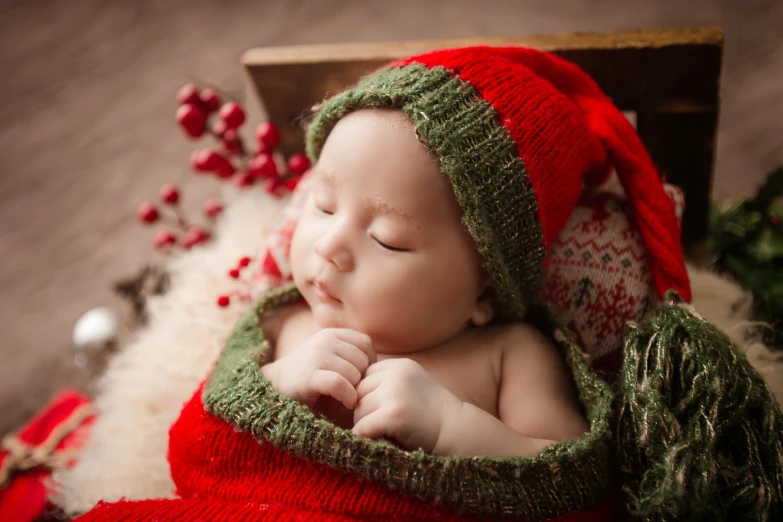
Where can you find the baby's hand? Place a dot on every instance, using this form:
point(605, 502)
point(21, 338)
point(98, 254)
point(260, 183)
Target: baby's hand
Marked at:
point(400, 400)
point(329, 363)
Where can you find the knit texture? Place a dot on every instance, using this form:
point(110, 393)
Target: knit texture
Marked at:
point(209, 458)
point(519, 133)
point(564, 478)
point(598, 277)
point(701, 436)
point(207, 510)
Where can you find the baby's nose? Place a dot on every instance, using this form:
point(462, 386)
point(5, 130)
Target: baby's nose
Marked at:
point(334, 250)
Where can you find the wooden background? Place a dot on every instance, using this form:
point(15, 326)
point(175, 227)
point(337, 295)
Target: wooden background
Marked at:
point(87, 131)
point(669, 79)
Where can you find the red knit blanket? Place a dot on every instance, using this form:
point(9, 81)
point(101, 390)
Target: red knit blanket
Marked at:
point(224, 474)
point(254, 454)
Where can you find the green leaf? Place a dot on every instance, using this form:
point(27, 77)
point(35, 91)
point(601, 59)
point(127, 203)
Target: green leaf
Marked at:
point(742, 269)
point(770, 191)
point(776, 213)
point(746, 239)
point(767, 247)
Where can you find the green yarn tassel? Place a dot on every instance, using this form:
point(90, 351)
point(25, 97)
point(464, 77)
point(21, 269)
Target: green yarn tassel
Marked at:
point(699, 434)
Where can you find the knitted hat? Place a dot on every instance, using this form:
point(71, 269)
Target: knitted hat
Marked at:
point(519, 132)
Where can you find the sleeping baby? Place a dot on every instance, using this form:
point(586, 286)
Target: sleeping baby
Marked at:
point(400, 376)
point(399, 328)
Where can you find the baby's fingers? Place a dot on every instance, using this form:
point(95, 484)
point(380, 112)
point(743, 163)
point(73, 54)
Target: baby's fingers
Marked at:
point(372, 426)
point(353, 355)
point(361, 341)
point(368, 385)
point(347, 369)
point(325, 382)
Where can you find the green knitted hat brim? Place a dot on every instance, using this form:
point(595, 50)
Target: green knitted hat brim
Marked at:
point(479, 157)
point(560, 479)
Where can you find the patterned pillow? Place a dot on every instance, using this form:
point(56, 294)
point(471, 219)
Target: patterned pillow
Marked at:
point(598, 276)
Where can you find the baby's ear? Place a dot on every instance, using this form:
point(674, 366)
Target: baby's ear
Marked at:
point(484, 310)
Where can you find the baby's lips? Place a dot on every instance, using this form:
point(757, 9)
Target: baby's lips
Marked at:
point(324, 292)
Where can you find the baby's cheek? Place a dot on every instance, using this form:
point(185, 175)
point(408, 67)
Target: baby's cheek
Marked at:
point(399, 293)
point(300, 245)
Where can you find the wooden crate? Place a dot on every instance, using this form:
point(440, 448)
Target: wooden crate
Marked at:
point(669, 78)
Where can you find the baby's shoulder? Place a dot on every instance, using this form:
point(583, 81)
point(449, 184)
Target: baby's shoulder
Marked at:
point(519, 336)
point(510, 343)
point(526, 349)
point(538, 397)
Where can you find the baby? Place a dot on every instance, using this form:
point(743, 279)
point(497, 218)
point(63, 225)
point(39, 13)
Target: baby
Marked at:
point(400, 337)
point(439, 183)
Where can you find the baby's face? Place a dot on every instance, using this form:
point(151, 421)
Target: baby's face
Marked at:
point(380, 247)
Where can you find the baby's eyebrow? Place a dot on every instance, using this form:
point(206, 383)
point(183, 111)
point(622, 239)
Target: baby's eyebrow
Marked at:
point(381, 206)
point(326, 175)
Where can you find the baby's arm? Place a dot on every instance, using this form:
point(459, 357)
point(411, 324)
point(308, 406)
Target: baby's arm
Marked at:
point(536, 405)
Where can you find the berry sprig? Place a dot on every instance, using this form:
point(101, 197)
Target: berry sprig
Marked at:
point(236, 274)
point(200, 113)
point(233, 161)
point(173, 215)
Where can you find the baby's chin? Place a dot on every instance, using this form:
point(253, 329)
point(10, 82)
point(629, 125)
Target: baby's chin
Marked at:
point(327, 315)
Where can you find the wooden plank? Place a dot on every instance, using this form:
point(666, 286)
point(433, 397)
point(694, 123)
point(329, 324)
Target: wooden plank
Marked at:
point(683, 148)
point(670, 78)
point(288, 92)
point(385, 51)
point(641, 70)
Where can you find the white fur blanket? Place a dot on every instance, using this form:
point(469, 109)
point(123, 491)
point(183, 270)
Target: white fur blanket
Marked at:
point(141, 393)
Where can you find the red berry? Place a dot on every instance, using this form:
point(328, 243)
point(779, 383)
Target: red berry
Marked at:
point(272, 186)
point(267, 136)
point(210, 100)
point(147, 213)
point(223, 301)
point(232, 114)
point(243, 179)
point(219, 128)
point(192, 120)
point(244, 261)
point(188, 94)
point(212, 208)
point(233, 273)
point(291, 183)
point(225, 171)
point(298, 164)
point(207, 160)
point(263, 166)
point(169, 194)
point(165, 238)
point(194, 236)
point(232, 142)
point(230, 146)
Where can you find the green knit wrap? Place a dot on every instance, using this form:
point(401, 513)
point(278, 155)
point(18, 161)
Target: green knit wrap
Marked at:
point(700, 433)
point(697, 431)
point(479, 157)
point(562, 478)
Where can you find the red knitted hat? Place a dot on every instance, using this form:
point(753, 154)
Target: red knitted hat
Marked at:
point(519, 132)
